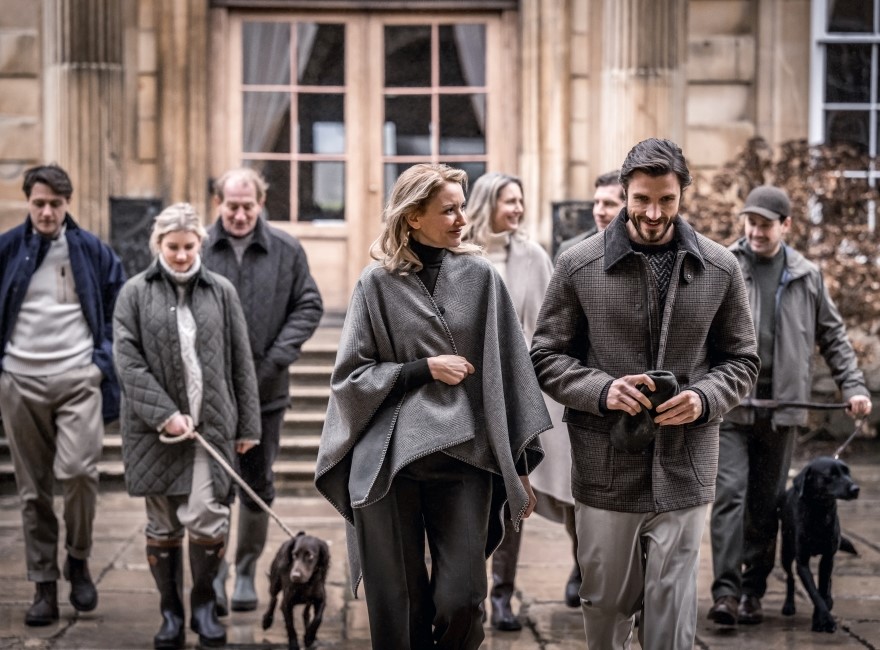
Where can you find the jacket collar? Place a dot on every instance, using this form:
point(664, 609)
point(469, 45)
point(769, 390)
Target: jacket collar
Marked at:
point(796, 265)
point(155, 271)
point(222, 237)
point(68, 223)
point(618, 245)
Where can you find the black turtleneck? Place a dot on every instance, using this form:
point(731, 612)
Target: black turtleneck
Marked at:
point(431, 259)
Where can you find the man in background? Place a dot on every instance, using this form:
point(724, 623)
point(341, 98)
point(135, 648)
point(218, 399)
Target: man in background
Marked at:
point(282, 307)
point(58, 287)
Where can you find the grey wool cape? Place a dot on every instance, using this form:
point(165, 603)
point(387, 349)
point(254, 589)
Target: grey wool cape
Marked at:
point(490, 421)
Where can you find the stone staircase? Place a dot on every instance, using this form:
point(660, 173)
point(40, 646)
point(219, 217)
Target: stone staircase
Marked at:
point(300, 434)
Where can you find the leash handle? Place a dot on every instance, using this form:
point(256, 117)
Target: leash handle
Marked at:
point(852, 436)
point(167, 439)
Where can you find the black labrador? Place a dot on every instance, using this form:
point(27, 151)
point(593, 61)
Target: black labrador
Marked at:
point(810, 527)
point(298, 572)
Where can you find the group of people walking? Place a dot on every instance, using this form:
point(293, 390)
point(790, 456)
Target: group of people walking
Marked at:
point(476, 382)
point(185, 356)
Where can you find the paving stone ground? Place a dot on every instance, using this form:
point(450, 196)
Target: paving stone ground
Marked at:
point(127, 614)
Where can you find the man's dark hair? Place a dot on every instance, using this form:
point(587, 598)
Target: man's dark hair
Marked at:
point(52, 175)
point(610, 178)
point(655, 157)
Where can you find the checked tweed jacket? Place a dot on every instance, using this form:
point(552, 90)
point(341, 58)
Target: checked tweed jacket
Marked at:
point(146, 349)
point(601, 320)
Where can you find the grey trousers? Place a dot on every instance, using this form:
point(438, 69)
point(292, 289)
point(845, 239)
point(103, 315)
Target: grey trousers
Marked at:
point(753, 463)
point(199, 512)
point(55, 431)
point(633, 562)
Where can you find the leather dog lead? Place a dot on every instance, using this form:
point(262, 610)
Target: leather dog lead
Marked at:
point(855, 432)
point(171, 440)
point(781, 404)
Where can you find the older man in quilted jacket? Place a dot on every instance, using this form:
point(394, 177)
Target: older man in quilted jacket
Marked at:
point(648, 294)
point(282, 306)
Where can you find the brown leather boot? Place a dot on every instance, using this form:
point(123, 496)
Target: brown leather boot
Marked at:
point(724, 611)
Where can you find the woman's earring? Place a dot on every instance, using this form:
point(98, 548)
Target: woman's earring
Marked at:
point(406, 237)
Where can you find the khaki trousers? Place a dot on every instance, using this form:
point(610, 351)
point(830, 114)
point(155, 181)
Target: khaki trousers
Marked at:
point(55, 431)
point(633, 562)
point(199, 512)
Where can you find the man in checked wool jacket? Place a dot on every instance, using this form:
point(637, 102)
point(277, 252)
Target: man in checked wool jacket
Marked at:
point(648, 293)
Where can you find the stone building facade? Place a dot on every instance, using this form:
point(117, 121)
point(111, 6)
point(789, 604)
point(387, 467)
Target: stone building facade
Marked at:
point(151, 99)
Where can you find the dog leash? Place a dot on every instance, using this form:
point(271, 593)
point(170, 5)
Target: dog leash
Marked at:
point(781, 404)
point(859, 422)
point(172, 440)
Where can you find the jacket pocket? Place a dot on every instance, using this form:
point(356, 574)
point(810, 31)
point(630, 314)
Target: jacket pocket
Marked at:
point(593, 457)
point(702, 447)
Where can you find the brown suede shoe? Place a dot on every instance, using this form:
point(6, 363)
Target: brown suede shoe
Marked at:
point(750, 612)
point(723, 612)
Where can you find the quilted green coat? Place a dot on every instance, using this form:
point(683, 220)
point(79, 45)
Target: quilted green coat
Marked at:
point(146, 351)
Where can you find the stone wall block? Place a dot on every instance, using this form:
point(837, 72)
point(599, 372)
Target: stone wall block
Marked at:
point(718, 103)
point(19, 53)
point(721, 58)
point(20, 96)
point(720, 16)
point(19, 138)
point(714, 145)
point(20, 14)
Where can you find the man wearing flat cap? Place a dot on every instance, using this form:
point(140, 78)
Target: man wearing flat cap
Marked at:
point(793, 313)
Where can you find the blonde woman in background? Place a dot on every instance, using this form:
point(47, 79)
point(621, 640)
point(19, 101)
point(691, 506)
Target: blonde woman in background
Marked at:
point(496, 208)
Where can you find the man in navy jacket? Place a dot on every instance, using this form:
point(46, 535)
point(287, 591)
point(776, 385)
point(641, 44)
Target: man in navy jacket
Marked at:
point(58, 286)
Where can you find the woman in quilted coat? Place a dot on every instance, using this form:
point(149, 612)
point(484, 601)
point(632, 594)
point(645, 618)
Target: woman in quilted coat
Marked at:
point(184, 363)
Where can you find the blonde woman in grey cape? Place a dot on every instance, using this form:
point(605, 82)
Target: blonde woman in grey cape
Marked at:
point(496, 208)
point(433, 420)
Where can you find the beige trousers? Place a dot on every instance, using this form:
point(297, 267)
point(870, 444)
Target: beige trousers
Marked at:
point(55, 431)
point(639, 562)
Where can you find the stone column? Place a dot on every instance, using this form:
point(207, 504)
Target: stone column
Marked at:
point(83, 102)
point(183, 63)
point(643, 75)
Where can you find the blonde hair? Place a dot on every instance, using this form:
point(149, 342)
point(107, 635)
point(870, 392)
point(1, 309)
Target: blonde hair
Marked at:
point(245, 174)
point(482, 204)
point(412, 192)
point(174, 218)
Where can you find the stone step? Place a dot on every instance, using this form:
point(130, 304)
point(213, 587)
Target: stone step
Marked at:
point(310, 375)
point(310, 399)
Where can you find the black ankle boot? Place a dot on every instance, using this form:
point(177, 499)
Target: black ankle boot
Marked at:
point(44, 610)
point(166, 564)
point(504, 561)
point(204, 561)
point(573, 588)
point(83, 595)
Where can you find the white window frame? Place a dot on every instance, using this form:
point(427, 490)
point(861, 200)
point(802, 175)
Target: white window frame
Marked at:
point(820, 38)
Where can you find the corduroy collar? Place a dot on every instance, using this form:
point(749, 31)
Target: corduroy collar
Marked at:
point(618, 244)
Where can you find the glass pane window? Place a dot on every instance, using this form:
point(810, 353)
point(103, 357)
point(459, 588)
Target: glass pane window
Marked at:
point(462, 55)
point(408, 56)
point(321, 190)
point(463, 124)
point(320, 54)
point(321, 123)
point(266, 122)
point(853, 16)
point(435, 107)
point(266, 49)
point(407, 129)
point(293, 124)
point(848, 127)
point(848, 75)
